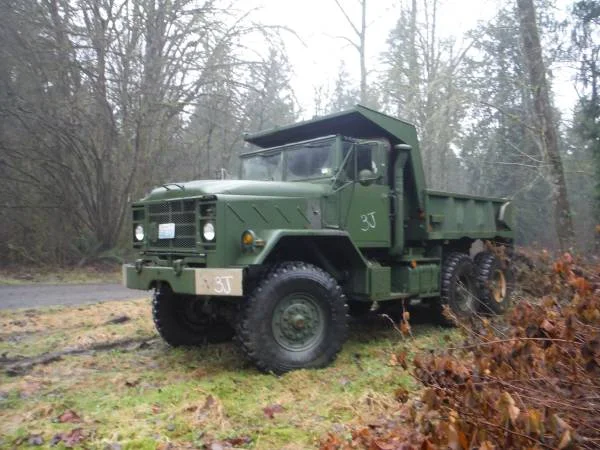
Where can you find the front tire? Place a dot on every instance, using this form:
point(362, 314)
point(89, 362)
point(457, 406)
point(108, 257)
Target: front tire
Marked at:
point(179, 320)
point(458, 290)
point(296, 318)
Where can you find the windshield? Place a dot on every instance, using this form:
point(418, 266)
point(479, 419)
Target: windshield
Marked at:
point(308, 160)
point(262, 167)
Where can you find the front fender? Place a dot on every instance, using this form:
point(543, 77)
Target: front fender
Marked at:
point(272, 238)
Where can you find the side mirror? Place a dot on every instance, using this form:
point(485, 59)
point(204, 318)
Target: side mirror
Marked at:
point(366, 177)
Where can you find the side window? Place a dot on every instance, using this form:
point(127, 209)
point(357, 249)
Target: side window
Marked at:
point(364, 157)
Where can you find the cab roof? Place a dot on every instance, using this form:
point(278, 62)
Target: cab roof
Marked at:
point(358, 122)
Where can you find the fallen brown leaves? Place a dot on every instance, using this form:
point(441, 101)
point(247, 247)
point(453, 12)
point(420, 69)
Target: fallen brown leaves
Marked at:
point(271, 410)
point(69, 416)
point(534, 386)
point(69, 439)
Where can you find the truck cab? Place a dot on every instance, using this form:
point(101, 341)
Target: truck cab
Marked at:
point(355, 170)
point(329, 217)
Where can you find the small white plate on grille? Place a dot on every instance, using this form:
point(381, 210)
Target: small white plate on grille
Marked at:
point(166, 230)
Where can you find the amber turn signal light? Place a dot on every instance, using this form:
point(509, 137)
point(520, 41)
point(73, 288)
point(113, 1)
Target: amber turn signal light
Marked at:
point(248, 239)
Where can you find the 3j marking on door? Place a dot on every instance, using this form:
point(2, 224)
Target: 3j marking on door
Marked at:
point(368, 221)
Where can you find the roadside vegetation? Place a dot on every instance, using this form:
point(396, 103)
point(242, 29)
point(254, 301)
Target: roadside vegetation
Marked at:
point(530, 382)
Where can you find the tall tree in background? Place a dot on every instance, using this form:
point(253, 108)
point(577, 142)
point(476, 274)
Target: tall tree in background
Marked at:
point(359, 42)
point(497, 145)
point(586, 46)
point(501, 141)
point(424, 83)
point(269, 100)
point(258, 98)
point(545, 119)
point(344, 95)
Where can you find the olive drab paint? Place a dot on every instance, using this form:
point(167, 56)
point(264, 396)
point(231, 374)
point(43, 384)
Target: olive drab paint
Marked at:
point(363, 214)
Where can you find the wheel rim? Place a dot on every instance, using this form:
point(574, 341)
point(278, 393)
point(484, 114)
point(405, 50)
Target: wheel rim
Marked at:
point(499, 286)
point(191, 316)
point(298, 322)
point(465, 300)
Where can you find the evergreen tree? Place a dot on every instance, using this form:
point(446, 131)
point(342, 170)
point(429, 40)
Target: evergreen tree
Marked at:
point(586, 49)
point(344, 96)
point(423, 82)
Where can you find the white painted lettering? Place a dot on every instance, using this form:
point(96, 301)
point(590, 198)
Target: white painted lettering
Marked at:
point(368, 221)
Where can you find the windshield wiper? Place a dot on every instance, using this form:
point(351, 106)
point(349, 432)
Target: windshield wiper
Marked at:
point(166, 186)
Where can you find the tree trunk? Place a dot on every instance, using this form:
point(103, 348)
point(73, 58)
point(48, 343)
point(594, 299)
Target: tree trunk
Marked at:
point(413, 61)
point(363, 64)
point(543, 110)
point(359, 44)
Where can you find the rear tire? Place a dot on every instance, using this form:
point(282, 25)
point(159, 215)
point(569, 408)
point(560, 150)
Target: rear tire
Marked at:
point(495, 282)
point(458, 290)
point(296, 318)
point(180, 321)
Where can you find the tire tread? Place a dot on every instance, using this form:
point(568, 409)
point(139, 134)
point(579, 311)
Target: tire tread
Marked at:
point(245, 335)
point(449, 267)
point(485, 262)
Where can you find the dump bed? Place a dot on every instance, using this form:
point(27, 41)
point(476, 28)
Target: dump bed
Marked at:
point(455, 216)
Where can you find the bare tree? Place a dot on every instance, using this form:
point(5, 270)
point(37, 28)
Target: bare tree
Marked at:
point(424, 82)
point(99, 93)
point(359, 42)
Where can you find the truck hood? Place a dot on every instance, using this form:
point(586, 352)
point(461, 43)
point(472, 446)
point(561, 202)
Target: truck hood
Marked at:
point(238, 187)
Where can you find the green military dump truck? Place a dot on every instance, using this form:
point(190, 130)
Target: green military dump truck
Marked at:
point(327, 217)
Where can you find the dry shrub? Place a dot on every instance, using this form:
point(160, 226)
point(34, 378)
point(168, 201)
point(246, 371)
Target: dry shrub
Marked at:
point(535, 385)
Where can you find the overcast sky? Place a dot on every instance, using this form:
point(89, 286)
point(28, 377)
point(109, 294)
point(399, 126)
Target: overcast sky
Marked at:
point(316, 59)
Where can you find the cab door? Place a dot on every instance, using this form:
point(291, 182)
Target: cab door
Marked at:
point(364, 201)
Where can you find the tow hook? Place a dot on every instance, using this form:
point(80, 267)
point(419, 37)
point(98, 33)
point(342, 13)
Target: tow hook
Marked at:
point(178, 266)
point(139, 265)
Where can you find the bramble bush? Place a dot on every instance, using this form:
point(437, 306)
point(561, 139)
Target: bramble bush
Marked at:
point(529, 382)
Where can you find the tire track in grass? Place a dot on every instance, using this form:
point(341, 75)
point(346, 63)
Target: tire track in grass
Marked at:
point(21, 365)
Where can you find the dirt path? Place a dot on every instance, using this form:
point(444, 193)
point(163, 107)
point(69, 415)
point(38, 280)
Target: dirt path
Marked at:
point(34, 295)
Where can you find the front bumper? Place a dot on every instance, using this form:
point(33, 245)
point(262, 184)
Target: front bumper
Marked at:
point(218, 282)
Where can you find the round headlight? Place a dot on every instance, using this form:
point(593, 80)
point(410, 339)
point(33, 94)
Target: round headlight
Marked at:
point(209, 231)
point(139, 233)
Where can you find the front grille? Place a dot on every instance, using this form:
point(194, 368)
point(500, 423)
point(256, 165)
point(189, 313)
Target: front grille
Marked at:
point(180, 212)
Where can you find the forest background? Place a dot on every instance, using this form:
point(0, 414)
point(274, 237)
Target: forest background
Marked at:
point(100, 100)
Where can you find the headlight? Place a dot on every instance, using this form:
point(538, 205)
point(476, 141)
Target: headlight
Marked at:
point(139, 233)
point(208, 232)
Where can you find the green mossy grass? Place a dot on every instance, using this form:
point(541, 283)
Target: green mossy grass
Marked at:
point(142, 396)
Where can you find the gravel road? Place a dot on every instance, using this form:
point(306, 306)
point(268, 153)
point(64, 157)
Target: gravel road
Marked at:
point(34, 295)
